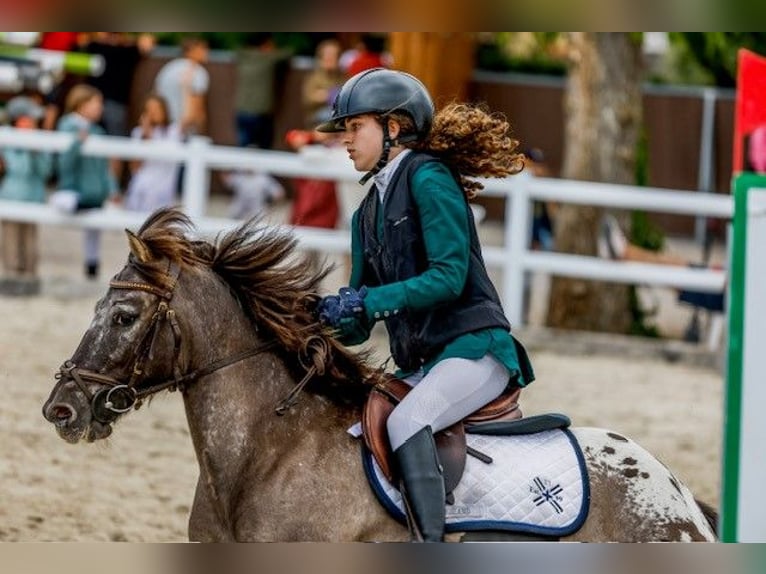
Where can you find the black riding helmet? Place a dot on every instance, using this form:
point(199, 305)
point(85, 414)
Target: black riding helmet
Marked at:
point(381, 91)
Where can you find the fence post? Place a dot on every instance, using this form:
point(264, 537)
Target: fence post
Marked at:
point(196, 180)
point(743, 507)
point(706, 165)
point(517, 217)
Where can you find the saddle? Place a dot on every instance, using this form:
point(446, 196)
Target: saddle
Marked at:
point(450, 442)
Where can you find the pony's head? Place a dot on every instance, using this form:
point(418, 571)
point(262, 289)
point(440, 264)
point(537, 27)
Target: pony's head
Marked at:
point(152, 329)
point(134, 340)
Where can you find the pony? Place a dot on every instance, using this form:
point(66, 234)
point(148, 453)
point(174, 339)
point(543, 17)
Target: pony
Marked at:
point(269, 395)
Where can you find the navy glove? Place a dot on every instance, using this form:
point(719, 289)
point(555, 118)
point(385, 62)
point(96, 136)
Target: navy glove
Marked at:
point(328, 309)
point(348, 303)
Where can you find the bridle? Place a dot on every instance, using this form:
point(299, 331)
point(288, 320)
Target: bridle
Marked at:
point(119, 397)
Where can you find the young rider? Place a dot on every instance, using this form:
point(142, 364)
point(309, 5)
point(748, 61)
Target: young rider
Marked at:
point(417, 265)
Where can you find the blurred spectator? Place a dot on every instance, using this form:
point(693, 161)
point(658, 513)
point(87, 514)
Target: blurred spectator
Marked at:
point(315, 201)
point(54, 100)
point(371, 54)
point(85, 182)
point(122, 53)
point(613, 244)
point(322, 84)
point(25, 175)
point(184, 83)
point(260, 70)
point(756, 149)
point(253, 192)
point(543, 212)
point(153, 182)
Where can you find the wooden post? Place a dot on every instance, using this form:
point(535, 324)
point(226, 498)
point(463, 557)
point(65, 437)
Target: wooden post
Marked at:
point(443, 61)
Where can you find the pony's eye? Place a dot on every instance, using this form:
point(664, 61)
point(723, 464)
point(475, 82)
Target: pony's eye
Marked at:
point(123, 319)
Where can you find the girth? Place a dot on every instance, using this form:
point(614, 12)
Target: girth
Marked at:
point(450, 442)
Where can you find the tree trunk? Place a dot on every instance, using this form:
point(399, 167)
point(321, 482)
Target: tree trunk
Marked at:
point(443, 61)
point(604, 114)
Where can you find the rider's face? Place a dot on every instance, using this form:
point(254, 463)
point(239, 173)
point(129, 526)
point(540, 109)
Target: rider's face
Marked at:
point(363, 139)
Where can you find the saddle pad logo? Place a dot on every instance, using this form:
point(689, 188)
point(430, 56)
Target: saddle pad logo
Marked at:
point(545, 493)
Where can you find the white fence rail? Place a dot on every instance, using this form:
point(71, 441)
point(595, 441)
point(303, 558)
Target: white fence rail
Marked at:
point(514, 257)
point(517, 258)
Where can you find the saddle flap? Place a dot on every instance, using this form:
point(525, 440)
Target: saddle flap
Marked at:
point(450, 442)
point(528, 425)
point(505, 407)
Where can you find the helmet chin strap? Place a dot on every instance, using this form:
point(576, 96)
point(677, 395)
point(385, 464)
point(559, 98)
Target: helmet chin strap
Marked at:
point(387, 143)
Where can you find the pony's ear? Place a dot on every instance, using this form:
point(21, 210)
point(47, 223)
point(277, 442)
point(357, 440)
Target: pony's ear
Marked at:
point(137, 247)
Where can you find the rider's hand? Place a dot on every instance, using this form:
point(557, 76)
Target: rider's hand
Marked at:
point(348, 304)
point(352, 301)
point(328, 310)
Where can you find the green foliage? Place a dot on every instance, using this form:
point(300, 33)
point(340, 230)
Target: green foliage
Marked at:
point(644, 234)
point(636, 37)
point(696, 57)
point(299, 43)
point(716, 52)
point(642, 157)
point(642, 231)
point(507, 52)
point(216, 40)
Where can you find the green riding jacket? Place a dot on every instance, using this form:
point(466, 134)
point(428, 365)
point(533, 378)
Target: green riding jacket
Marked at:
point(441, 204)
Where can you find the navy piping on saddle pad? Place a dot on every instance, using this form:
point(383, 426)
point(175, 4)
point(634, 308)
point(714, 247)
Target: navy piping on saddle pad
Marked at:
point(377, 489)
point(480, 525)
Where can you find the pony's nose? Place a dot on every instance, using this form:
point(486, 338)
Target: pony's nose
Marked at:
point(60, 414)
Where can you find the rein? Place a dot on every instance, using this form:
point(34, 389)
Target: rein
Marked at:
point(118, 398)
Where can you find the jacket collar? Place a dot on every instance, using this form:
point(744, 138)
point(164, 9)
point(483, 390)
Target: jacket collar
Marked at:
point(383, 177)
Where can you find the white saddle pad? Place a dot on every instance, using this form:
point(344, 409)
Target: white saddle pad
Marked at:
point(536, 484)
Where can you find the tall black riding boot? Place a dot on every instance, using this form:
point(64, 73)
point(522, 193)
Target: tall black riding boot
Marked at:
point(422, 486)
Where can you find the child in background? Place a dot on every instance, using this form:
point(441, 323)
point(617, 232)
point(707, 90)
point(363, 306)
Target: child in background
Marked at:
point(321, 85)
point(315, 203)
point(543, 211)
point(86, 182)
point(153, 183)
point(26, 172)
point(253, 192)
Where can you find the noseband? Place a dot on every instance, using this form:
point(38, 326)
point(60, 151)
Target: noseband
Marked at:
point(119, 397)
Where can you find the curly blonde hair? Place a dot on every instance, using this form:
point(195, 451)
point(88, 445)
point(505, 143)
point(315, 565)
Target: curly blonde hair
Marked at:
point(472, 142)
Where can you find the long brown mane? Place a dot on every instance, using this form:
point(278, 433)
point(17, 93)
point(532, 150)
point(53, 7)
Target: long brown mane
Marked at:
point(275, 287)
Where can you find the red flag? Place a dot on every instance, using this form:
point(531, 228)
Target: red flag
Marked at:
point(750, 105)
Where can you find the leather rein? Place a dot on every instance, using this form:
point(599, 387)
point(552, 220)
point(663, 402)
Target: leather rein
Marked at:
point(119, 397)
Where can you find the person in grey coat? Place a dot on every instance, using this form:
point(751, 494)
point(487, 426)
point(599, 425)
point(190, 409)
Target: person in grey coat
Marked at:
point(25, 175)
point(87, 180)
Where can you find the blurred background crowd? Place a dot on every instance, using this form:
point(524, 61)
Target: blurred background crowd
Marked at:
point(267, 90)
